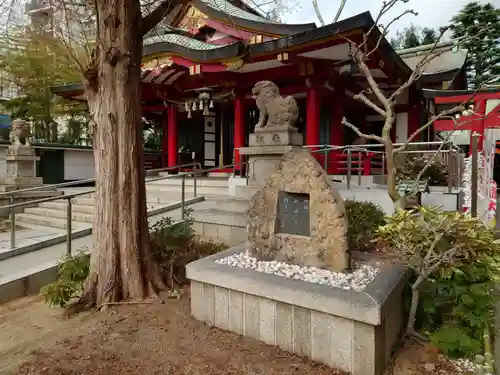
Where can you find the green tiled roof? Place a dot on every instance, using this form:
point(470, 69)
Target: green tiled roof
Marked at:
point(232, 10)
point(181, 40)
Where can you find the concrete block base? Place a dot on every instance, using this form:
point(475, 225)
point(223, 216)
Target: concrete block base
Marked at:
point(347, 330)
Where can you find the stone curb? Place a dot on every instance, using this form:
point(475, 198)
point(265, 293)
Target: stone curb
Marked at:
point(367, 306)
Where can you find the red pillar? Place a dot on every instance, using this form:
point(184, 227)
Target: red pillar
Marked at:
point(164, 141)
point(239, 128)
point(313, 116)
point(172, 136)
point(414, 115)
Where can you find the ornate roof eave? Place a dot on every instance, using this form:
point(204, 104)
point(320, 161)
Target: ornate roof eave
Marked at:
point(258, 24)
point(362, 22)
point(431, 93)
point(214, 54)
point(206, 53)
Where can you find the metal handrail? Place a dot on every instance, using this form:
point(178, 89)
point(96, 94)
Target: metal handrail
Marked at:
point(88, 180)
point(13, 206)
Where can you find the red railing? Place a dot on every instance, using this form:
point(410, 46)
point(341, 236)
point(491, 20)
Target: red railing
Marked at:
point(357, 162)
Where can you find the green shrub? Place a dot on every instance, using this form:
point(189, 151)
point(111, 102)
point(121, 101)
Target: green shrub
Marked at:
point(459, 301)
point(363, 220)
point(455, 262)
point(72, 271)
point(173, 244)
point(408, 167)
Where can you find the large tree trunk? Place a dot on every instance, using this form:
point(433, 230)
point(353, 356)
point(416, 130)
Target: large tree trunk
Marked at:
point(122, 267)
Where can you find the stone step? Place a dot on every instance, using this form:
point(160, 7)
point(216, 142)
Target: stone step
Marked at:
point(61, 206)
point(60, 214)
point(189, 181)
point(201, 190)
point(219, 217)
point(226, 204)
point(45, 221)
point(83, 201)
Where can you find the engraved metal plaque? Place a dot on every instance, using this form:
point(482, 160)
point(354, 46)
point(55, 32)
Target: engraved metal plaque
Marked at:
point(293, 214)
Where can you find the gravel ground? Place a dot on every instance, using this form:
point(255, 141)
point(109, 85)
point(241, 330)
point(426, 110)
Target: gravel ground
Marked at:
point(153, 339)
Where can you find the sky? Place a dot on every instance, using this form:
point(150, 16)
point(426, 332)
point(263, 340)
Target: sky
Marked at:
point(431, 13)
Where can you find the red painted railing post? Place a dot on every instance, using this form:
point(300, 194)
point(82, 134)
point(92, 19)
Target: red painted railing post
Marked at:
point(367, 164)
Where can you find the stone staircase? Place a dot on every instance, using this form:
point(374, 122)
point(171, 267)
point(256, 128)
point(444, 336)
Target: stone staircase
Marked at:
point(54, 214)
point(218, 217)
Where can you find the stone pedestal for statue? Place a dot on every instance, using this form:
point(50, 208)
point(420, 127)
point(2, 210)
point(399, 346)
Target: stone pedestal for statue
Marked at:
point(266, 148)
point(20, 172)
point(20, 161)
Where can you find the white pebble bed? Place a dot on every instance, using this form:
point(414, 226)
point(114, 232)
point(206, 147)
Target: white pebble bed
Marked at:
point(465, 366)
point(357, 280)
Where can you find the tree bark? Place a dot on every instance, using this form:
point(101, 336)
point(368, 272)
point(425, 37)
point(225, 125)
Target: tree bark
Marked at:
point(122, 266)
point(390, 160)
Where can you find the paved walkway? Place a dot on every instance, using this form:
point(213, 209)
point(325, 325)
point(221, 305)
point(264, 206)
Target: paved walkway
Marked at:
point(22, 264)
point(27, 236)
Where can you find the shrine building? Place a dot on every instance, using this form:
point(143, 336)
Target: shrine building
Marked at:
point(197, 77)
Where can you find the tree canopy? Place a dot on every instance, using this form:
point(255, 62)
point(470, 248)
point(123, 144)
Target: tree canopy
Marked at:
point(35, 63)
point(482, 21)
point(414, 36)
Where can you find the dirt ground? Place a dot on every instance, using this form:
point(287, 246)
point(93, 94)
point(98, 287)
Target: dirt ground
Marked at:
point(148, 339)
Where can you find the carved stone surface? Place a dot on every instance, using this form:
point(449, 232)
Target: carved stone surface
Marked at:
point(326, 246)
point(20, 132)
point(279, 111)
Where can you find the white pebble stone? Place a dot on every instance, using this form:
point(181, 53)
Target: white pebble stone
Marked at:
point(357, 280)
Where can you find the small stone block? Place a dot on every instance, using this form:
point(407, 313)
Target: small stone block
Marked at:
point(236, 312)
point(267, 313)
point(284, 326)
point(252, 316)
point(222, 307)
point(320, 337)
point(302, 331)
point(209, 299)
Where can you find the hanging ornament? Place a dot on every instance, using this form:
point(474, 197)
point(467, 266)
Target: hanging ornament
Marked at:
point(189, 114)
point(194, 108)
point(201, 105)
point(186, 106)
point(206, 112)
point(211, 103)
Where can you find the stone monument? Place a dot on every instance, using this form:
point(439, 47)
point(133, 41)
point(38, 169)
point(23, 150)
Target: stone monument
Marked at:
point(274, 134)
point(298, 216)
point(20, 159)
point(20, 173)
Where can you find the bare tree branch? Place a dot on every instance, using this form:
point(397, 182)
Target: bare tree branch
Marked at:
point(339, 11)
point(358, 132)
point(157, 15)
point(318, 12)
point(362, 98)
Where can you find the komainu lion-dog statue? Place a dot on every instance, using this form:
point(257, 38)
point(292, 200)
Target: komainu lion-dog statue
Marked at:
point(279, 111)
point(20, 131)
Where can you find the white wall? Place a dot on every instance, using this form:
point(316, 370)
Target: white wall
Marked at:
point(402, 127)
point(78, 164)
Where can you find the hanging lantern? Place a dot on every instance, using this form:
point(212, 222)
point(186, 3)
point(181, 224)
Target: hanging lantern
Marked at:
point(206, 111)
point(189, 114)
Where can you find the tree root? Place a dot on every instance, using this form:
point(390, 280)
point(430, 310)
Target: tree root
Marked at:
point(106, 304)
point(416, 337)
